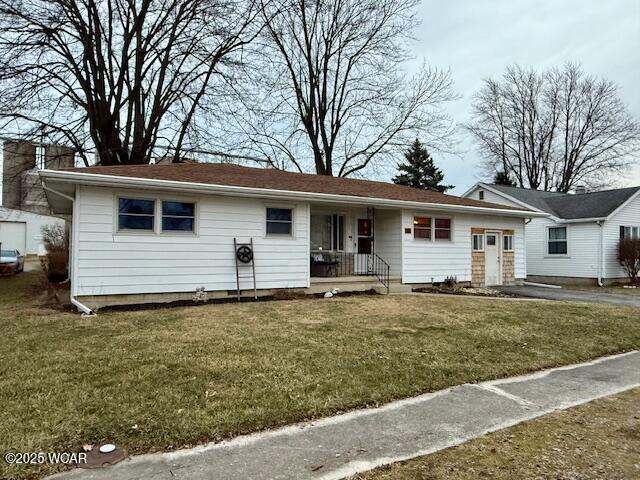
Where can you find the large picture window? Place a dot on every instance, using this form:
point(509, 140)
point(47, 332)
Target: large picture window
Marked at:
point(136, 214)
point(557, 241)
point(279, 221)
point(178, 216)
point(422, 227)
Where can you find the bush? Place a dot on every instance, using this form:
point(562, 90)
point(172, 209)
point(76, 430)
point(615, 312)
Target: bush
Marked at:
point(629, 257)
point(56, 261)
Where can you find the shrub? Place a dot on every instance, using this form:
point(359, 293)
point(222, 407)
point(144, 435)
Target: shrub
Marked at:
point(629, 257)
point(56, 261)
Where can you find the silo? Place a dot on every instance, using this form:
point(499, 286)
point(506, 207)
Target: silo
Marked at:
point(18, 157)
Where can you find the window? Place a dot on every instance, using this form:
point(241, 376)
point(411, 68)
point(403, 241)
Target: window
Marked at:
point(629, 232)
point(422, 227)
point(491, 240)
point(327, 232)
point(178, 216)
point(557, 241)
point(481, 195)
point(443, 229)
point(478, 242)
point(279, 221)
point(508, 243)
point(136, 214)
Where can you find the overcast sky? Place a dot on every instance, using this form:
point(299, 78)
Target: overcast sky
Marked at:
point(477, 39)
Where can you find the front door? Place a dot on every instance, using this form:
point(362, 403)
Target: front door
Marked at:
point(492, 259)
point(364, 245)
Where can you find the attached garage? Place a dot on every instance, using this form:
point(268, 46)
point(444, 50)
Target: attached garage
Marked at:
point(13, 235)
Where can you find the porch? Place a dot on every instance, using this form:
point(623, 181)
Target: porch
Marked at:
point(354, 245)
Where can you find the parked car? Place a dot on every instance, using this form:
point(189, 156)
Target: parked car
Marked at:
point(11, 262)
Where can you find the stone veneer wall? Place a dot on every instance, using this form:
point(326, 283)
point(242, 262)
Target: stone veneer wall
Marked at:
point(477, 263)
point(508, 263)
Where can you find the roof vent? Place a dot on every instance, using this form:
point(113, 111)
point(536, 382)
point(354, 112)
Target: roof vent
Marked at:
point(580, 189)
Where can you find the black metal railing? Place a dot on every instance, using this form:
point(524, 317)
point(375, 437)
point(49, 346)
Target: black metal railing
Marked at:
point(346, 264)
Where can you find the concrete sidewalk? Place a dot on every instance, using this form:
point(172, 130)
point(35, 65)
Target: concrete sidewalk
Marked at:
point(340, 446)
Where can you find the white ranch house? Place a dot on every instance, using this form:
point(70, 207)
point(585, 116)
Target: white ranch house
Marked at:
point(153, 233)
point(577, 242)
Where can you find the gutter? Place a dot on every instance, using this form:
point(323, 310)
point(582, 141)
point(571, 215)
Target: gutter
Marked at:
point(135, 182)
point(86, 311)
point(601, 254)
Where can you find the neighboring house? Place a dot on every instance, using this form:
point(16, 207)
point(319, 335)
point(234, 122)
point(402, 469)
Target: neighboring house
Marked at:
point(22, 230)
point(578, 241)
point(158, 232)
point(23, 205)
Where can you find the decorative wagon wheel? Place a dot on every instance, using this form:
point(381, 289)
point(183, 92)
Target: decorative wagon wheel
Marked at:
point(244, 254)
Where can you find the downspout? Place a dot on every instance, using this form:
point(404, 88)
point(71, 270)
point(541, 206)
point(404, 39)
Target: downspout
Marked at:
point(86, 311)
point(601, 254)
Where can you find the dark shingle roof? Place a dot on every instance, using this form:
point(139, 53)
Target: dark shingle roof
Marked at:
point(571, 206)
point(234, 175)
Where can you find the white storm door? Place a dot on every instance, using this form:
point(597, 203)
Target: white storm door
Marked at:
point(492, 259)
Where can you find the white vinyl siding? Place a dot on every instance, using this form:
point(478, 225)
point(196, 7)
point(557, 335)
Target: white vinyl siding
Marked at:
point(387, 237)
point(629, 215)
point(426, 261)
point(491, 197)
point(581, 260)
point(110, 262)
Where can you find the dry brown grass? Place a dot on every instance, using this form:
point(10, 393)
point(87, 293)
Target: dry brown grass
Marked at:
point(191, 375)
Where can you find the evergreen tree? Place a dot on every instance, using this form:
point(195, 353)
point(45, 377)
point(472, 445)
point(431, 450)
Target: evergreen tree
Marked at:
point(502, 177)
point(419, 171)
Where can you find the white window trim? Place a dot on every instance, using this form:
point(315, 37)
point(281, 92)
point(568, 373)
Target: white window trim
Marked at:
point(157, 216)
point(513, 245)
point(451, 225)
point(430, 228)
point(481, 235)
point(181, 233)
point(546, 242)
point(433, 218)
point(286, 236)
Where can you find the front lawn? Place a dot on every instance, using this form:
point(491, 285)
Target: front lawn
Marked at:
point(165, 379)
point(594, 441)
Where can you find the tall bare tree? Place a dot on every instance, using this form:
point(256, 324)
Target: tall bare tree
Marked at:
point(126, 77)
point(554, 130)
point(327, 91)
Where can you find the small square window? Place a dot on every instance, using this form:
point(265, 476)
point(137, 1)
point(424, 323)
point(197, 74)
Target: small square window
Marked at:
point(136, 214)
point(422, 227)
point(279, 221)
point(178, 216)
point(443, 229)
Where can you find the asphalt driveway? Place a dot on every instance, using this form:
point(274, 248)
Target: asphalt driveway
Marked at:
point(572, 295)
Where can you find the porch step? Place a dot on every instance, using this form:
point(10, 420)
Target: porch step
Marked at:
point(356, 284)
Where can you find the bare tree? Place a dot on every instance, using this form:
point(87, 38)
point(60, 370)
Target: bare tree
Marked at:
point(126, 77)
point(327, 91)
point(554, 130)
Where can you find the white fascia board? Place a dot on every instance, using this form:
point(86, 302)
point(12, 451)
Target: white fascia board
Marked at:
point(477, 184)
point(515, 200)
point(231, 190)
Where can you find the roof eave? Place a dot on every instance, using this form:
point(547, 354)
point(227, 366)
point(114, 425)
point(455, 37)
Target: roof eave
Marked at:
point(231, 190)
